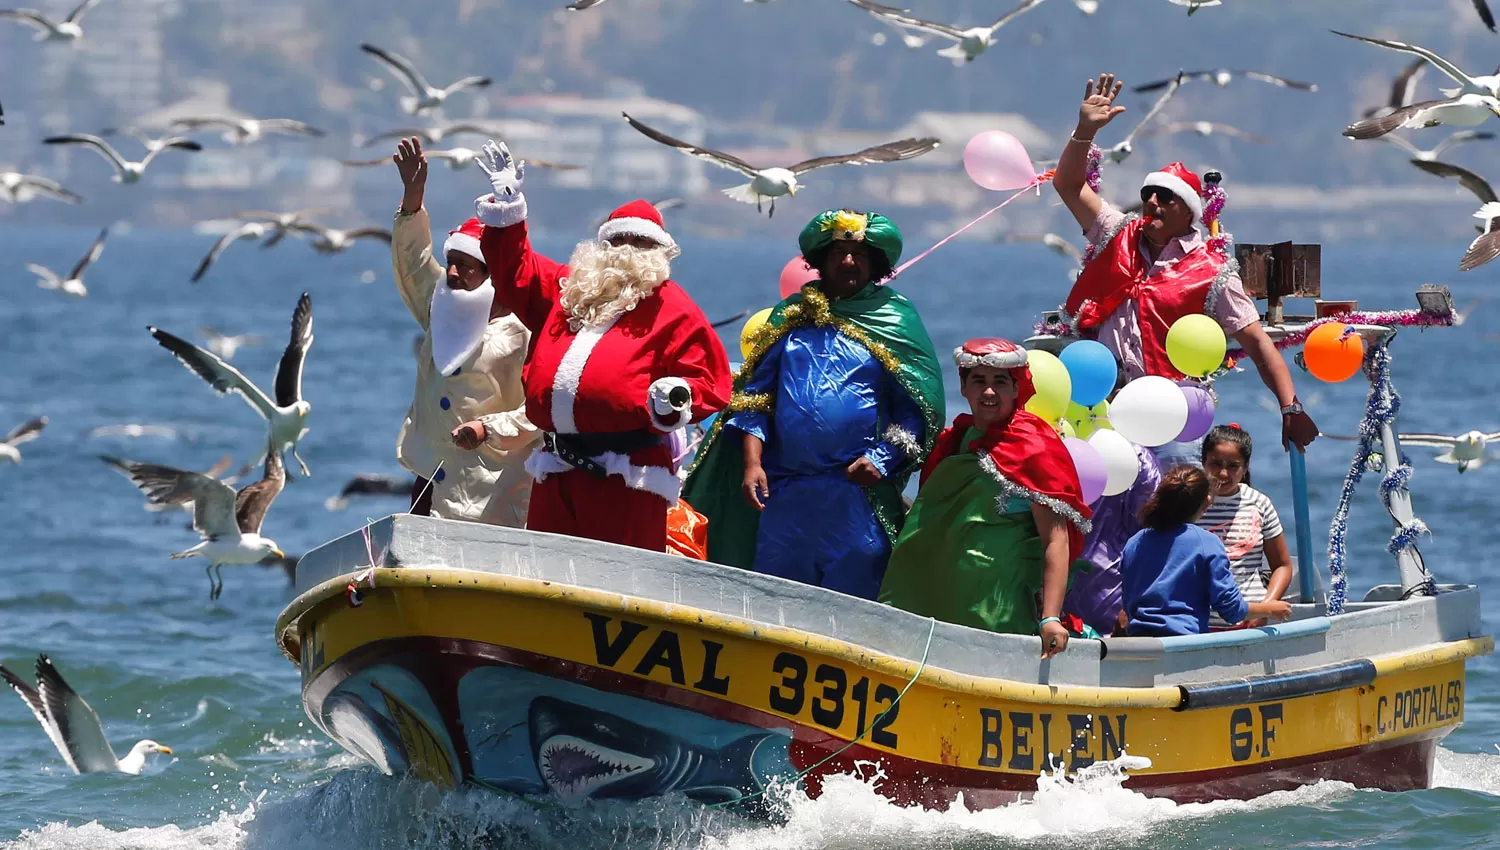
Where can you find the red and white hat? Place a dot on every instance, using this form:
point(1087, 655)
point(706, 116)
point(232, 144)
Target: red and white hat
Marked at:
point(638, 218)
point(1180, 181)
point(465, 240)
point(990, 351)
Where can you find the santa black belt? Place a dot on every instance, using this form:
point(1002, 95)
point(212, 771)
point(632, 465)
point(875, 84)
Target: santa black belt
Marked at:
point(581, 451)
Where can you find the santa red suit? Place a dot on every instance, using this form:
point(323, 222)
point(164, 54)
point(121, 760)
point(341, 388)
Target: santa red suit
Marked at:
point(606, 394)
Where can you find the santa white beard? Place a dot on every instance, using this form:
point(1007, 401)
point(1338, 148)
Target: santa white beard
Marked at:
point(606, 281)
point(458, 321)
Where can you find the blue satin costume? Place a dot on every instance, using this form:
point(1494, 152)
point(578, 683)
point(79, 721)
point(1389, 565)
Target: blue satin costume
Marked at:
point(832, 403)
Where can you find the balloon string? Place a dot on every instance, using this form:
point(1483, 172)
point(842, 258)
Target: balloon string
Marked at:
point(1035, 184)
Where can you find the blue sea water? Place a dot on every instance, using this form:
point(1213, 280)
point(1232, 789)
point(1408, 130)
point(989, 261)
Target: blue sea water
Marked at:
point(84, 573)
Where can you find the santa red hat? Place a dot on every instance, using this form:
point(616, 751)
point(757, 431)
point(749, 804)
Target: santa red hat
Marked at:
point(1177, 179)
point(465, 240)
point(638, 218)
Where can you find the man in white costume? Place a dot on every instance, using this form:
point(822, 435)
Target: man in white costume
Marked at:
point(469, 411)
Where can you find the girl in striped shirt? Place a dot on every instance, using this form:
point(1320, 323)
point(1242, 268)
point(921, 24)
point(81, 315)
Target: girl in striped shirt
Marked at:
point(1245, 520)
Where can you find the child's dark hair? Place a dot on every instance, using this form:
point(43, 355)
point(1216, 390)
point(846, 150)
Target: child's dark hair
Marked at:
point(1177, 499)
point(1231, 433)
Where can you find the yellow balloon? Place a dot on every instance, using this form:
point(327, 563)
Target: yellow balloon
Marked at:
point(1080, 419)
point(1066, 429)
point(1099, 417)
point(1196, 345)
point(752, 324)
point(1053, 386)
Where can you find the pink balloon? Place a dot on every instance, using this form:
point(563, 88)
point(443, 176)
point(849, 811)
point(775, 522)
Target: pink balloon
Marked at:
point(1092, 473)
point(998, 161)
point(796, 274)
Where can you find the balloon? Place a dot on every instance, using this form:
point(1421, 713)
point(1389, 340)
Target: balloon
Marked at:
point(1066, 430)
point(1150, 410)
point(1200, 413)
point(756, 321)
point(1053, 386)
point(1120, 461)
point(1092, 473)
point(1079, 418)
point(1099, 414)
point(1331, 358)
point(1092, 369)
point(794, 275)
point(1196, 345)
point(998, 161)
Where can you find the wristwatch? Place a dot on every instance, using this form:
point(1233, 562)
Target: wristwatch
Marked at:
point(1294, 407)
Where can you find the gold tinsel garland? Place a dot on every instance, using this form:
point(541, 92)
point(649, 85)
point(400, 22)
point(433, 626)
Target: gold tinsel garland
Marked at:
point(813, 309)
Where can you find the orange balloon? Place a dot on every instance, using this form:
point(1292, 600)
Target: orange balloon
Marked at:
point(1331, 357)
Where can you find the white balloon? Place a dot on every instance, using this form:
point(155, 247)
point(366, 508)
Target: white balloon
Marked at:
point(1120, 462)
point(1151, 411)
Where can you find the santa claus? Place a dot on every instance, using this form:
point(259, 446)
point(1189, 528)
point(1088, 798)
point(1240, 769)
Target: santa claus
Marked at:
point(620, 357)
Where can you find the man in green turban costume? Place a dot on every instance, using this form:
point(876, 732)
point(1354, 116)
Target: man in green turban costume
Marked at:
point(839, 401)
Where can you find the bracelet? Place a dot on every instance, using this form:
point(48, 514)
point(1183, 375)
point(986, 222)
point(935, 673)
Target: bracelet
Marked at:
point(1046, 620)
point(1073, 138)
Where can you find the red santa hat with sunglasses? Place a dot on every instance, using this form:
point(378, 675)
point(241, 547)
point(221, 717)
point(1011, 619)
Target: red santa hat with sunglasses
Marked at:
point(1182, 183)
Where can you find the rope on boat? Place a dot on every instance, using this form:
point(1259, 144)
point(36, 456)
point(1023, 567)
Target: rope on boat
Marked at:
point(922, 665)
point(352, 592)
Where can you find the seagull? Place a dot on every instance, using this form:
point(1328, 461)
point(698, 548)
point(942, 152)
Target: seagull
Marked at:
point(243, 131)
point(968, 43)
point(430, 135)
point(1403, 89)
point(73, 283)
point(225, 345)
point(1465, 110)
point(1466, 449)
point(1457, 138)
point(1120, 152)
point(68, 30)
point(286, 416)
point(1466, 178)
point(136, 430)
point(1203, 128)
point(426, 97)
point(216, 472)
point(19, 188)
point(1058, 244)
point(1221, 78)
point(73, 726)
point(229, 522)
point(1195, 5)
point(1088, 7)
point(125, 171)
point(370, 484)
point(23, 433)
point(248, 230)
point(909, 37)
point(1486, 246)
point(1485, 15)
point(777, 181)
point(280, 222)
point(329, 240)
point(1467, 84)
point(461, 158)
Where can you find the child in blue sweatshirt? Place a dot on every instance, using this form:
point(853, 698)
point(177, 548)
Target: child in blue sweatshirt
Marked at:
point(1173, 572)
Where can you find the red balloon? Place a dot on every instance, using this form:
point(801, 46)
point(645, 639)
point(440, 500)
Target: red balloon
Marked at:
point(796, 274)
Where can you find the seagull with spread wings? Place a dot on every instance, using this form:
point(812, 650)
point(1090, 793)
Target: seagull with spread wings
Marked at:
point(1486, 246)
point(20, 435)
point(1222, 77)
point(370, 484)
point(73, 283)
point(228, 522)
point(461, 158)
point(425, 97)
point(68, 29)
point(968, 43)
point(777, 181)
point(1467, 450)
point(332, 240)
point(250, 230)
point(226, 345)
point(1480, 84)
point(1195, 5)
point(18, 188)
point(1122, 151)
point(243, 131)
point(286, 415)
point(1059, 245)
point(430, 135)
point(1419, 154)
point(73, 726)
point(1403, 89)
point(1203, 128)
point(1465, 110)
point(125, 170)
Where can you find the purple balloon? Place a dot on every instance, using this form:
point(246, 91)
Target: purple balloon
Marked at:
point(1092, 473)
point(1200, 413)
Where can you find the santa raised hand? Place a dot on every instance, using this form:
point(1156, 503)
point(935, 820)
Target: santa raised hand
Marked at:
point(620, 357)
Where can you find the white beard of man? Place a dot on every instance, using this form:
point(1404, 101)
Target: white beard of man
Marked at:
point(605, 282)
point(458, 320)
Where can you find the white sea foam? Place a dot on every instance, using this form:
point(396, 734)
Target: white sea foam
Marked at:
point(1467, 771)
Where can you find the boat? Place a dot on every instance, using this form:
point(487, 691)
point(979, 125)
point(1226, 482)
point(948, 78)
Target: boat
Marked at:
point(537, 664)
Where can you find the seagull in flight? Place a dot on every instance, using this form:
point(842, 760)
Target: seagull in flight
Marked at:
point(330, 240)
point(281, 223)
point(229, 522)
point(370, 484)
point(136, 430)
point(243, 131)
point(19, 435)
point(430, 135)
point(1486, 246)
point(247, 230)
point(1122, 151)
point(1487, 84)
point(1485, 14)
point(1464, 110)
point(1195, 5)
point(286, 415)
point(1203, 128)
point(1062, 247)
point(968, 43)
point(226, 345)
point(1417, 153)
point(73, 726)
point(1222, 77)
point(777, 181)
point(461, 158)
point(68, 29)
point(426, 97)
point(1466, 450)
point(1403, 89)
point(19, 188)
point(73, 283)
point(125, 170)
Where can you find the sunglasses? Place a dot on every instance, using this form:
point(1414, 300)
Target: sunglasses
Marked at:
point(1163, 196)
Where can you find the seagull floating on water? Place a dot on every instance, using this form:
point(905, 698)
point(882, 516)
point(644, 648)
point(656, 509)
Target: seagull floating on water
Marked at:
point(427, 97)
point(1222, 77)
point(73, 726)
point(286, 416)
point(243, 131)
point(73, 283)
point(969, 42)
point(125, 170)
point(19, 188)
point(777, 181)
point(19, 435)
point(68, 29)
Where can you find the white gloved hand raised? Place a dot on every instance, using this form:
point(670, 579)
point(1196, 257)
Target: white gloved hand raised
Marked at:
point(506, 173)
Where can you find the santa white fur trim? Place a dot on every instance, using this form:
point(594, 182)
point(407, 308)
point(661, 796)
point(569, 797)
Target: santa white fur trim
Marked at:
point(652, 479)
point(570, 375)
point(1009, 488)
point(1179, 187)
point(465, 244)
point(996, 359)
point(497, 212)
point(638, 227)
point(904, 440)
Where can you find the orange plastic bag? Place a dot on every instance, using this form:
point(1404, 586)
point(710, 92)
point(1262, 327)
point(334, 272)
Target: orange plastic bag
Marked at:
point(687, 532)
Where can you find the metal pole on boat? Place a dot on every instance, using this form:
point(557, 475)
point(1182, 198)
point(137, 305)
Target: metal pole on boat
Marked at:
point(1306, 569)
point(1415, 579)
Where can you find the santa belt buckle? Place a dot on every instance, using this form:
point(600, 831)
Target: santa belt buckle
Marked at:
point(566, 452)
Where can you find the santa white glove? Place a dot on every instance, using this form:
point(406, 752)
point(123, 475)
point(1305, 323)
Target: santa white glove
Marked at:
point(671, 403)
point(506, 173)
